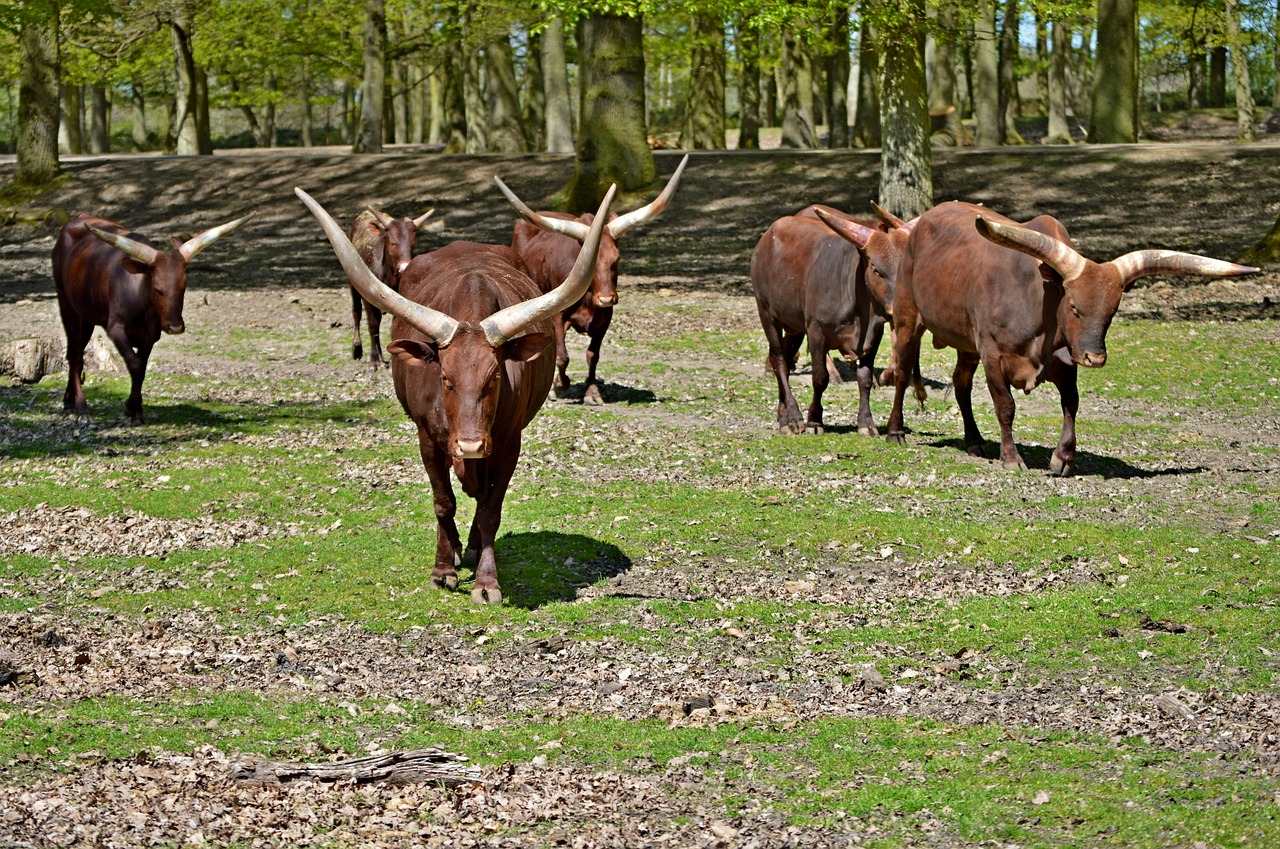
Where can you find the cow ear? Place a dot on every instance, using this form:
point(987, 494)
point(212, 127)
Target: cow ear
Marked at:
point(379, 255)
point(1048, 274)
point(526, 348)
point(134, 266)
point(413, 349)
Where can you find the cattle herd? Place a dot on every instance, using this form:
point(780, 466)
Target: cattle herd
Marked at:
point(473, 323)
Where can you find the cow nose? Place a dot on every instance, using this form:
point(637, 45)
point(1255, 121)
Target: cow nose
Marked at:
point(1093, 359)
point(401, 267)
point(175, 329)
point(469, 449)
point(606, 300)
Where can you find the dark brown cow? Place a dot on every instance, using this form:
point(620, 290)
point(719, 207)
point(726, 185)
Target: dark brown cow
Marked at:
point(470, 345)
point(1028, 315)
point(828, 277)
point(386, 246)
point(109, 277)
point(549, 241)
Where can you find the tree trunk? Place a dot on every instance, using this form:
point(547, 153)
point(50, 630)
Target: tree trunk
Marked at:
point(866, 114)
point(704, 108)
point(139, 116)
point(506, 135)
point(769, 100)
point(435, 130)
point(838, 82)
point(347, 129)
point(269, 114)
point(906, 163)
point(455, 103)
point(1042, 61)
point(748, 86)
point(185, 132)
point(613, 142)
point(400, 100)
point(555, 80)
point(1059, 57)
point(944, 117)
point(473, 92)
point(70, 132)
point(1008, 80)
point(1245, 131)
point(39, 68)
point(534, 96)
point(99, 121)
point(306, 127)
point(1113, 117)
point(1218, 77)
point(797, 93)
point(368, 135)
point(204, 130)
point(419, 102)
point(1275, 67)
point(986, 85)
point(1197, 96)
point(1082, 89)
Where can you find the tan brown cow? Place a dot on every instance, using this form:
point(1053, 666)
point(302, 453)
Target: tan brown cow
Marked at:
point(549, 241)
point(470, 361)
point(386, 246)
point(824, 276)
point(108, 276)
point(1028, 315)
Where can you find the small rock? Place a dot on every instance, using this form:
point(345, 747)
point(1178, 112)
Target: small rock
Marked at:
point(1175, 709)
point(871, 681)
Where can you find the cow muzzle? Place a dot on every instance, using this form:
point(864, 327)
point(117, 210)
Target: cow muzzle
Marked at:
point(1092, 359)
point(465, 449)
point(606, 300)
point(175, 329)
point(401, 267)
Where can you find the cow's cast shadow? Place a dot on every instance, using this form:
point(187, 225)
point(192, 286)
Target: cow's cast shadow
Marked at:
point(612, 393)
point(537, 568)
point(1087, 463)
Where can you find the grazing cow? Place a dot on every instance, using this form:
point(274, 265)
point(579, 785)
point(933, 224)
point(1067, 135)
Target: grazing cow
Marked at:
point(470, 362)
point(548, 242)
point(109, 277)
point(386, 246)
point(827, 277)
point(1030, 314)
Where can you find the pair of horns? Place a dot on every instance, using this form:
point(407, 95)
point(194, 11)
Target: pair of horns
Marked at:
point(575, 229)
point(146, 254)
point(440, 327)
point(385, 220)
point(1070, 264)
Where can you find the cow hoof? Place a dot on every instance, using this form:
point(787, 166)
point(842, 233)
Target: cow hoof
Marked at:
point(976, 450)
point(559, 391)
point(1014, 465)
point(895, 438)
point(813, 427)
point(868, 431)
point(357, 352)
point(592, 397)
point(444, 582)
point(482, 595)
point(1060, 468)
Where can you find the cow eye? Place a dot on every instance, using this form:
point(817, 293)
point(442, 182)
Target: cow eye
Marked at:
point(448, 382)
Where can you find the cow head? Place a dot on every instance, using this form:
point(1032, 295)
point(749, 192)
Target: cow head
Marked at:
point(467, 357)
point(605, 281)
point(395, 246)
point(882, 250)
point(166, 272)
point(1092, 290)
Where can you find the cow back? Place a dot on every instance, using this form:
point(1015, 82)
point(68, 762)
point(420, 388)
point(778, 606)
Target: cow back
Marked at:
point(90, 277)
point(801, 271)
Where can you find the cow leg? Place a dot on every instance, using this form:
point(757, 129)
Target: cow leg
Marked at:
point(484, 528)
point(136, 362)
point(444, 575)
point(821, 377)
point(78, 334)
point(357, 304)
point(1063, 461)
point(906, 355)
point(375, 339)
point(599, 324)
point(1002, 397)
point(782, 354)
point(866, 379)
point(560, 387)
point(962, 386)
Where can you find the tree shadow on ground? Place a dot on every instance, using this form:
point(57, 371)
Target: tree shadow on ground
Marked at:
point(1087, 463)
point(33, 425)
point(536, 568)
point(612, 393)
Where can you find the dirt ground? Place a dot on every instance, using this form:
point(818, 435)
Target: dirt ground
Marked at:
point(1205, 197)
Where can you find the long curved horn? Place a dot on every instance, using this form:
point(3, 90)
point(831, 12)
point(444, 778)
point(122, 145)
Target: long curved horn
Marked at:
point(422, 219)
point(1059, 256)
point(508, 323)
point(565, 227)
point(886, 216)
point(1139, 263)
point(435, 324)
point(623, 223)
point(194, 246)
point(383, 219)
point(851, 231)
point(144, 254)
